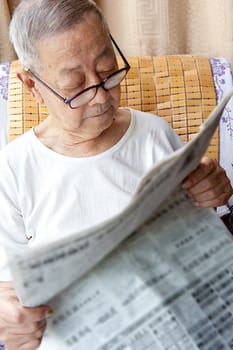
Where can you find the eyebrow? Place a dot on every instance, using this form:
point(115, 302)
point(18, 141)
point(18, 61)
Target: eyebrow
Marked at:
point(105, 53)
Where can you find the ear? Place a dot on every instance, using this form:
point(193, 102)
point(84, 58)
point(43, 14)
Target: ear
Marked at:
point(27, 80)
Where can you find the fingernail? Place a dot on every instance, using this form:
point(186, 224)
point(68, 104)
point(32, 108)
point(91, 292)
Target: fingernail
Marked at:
point(49, 313)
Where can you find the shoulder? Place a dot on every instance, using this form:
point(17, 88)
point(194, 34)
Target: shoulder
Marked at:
point(156, 128)
point(152, 120)
point(21, 140)
point(15, 151)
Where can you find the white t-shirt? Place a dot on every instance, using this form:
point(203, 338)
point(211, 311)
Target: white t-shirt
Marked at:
point(47, 196)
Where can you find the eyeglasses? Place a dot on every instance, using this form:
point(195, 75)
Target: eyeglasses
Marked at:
point(85, 96)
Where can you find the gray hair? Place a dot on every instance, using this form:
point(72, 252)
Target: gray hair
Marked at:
point(34, 20)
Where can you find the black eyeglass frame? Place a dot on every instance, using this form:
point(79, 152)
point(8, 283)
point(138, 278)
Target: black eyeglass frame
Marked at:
point(68, 101)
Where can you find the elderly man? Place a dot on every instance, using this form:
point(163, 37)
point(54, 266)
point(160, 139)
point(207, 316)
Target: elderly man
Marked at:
point(83, 163)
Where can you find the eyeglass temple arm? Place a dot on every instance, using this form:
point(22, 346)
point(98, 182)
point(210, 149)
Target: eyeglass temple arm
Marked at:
point(120, 52)
point(43, 83)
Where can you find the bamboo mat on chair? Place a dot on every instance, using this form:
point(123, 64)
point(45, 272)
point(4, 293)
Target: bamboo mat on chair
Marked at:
point(179, 88)
point(23, 112)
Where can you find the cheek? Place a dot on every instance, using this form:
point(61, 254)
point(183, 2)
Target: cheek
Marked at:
point(116, 95)
point(63, 112)
point(55, 108)
point(50, 101)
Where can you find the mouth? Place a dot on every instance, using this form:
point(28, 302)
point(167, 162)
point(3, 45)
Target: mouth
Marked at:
point(100, 112)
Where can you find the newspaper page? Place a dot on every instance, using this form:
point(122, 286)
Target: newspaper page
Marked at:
point(168, 286)
point(45, 269)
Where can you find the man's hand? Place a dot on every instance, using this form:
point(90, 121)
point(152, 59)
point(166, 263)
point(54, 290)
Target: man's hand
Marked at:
point(21, 328)
point(208, 185)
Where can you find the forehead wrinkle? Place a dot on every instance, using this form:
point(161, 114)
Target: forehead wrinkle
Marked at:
point(107, 52)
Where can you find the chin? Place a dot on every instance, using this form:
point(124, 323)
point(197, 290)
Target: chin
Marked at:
point(102, 122)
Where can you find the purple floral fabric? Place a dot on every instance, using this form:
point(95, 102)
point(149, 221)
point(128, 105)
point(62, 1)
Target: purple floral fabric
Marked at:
point(4, 74)
point(223, 82)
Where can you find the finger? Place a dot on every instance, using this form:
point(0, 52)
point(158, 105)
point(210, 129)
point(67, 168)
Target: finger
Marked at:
point(28, 345)
point(21, 339)
point(216, 182)
point(6, 285)
point(36, 334)
point(211, 203)
point(24, 329)
point(7, 289)
point(33, 340)
point(12, 313)
point(214, 197)
point(8, 295)
point(207, 166)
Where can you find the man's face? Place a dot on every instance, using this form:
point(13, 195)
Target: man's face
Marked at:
point(72, 61)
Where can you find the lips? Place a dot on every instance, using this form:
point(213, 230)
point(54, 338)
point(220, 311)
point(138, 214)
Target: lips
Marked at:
point(101, 109)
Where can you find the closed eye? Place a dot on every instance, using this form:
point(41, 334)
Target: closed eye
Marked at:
point(81, 86)
point(73, 89)
point(106, 74)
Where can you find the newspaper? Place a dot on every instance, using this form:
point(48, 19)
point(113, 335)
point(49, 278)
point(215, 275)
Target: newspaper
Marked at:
point(156, 276)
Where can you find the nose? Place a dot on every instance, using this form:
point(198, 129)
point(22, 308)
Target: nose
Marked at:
point(100, 97)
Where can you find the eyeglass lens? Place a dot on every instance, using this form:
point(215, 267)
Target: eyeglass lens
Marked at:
point(89, 94)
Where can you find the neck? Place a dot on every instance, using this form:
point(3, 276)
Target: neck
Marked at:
point(74, 144)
